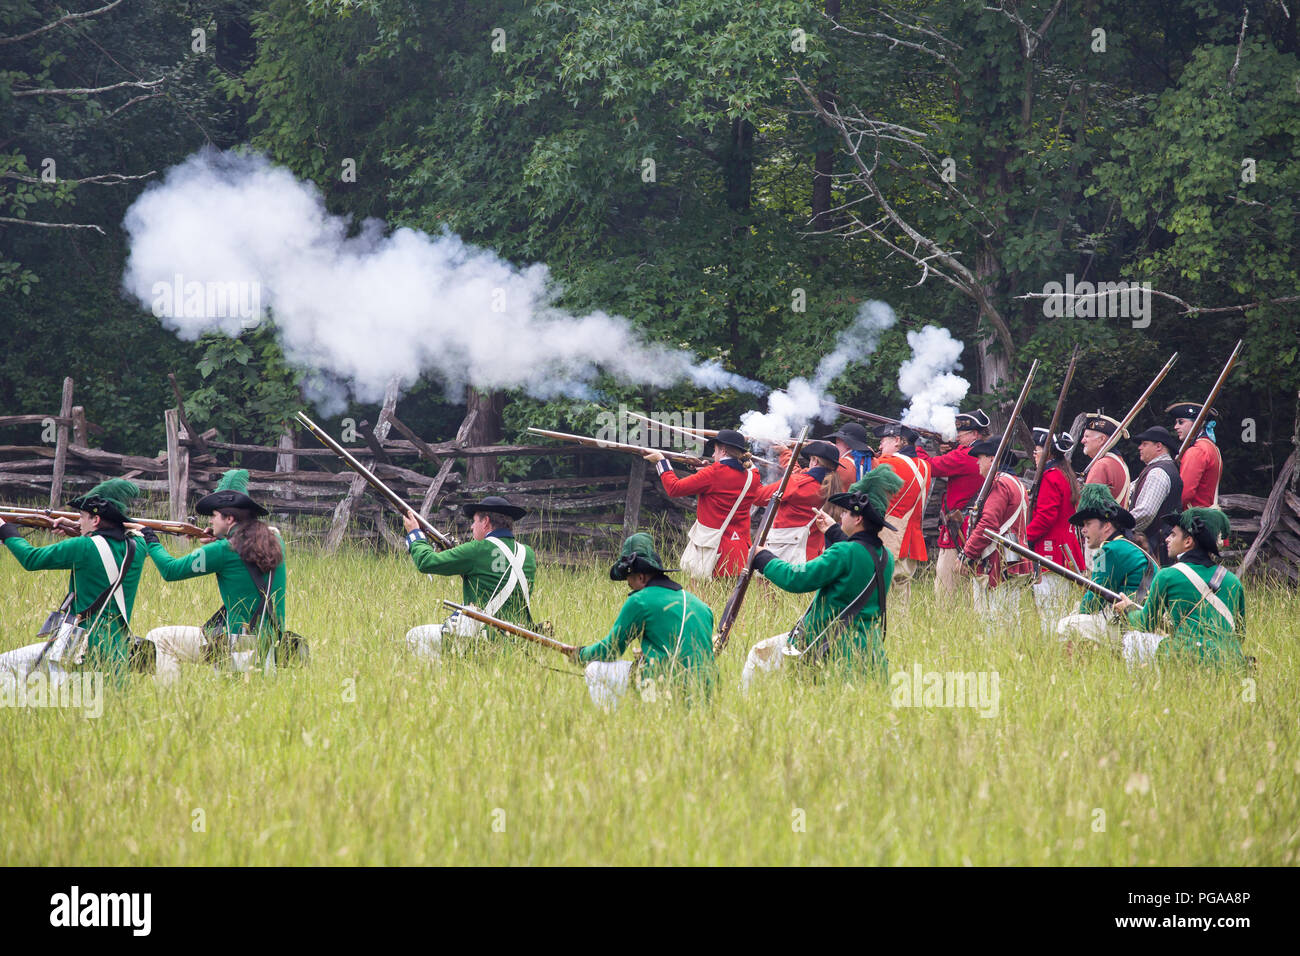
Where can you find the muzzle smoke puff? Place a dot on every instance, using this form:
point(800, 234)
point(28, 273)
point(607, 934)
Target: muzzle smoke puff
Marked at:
point(363, 308)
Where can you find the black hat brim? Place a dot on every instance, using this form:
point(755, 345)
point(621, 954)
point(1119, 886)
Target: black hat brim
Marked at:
point(847, 501)
point(849, 440)
point(620, 569)
point(220, 500)
point(1121, 519)
point(513, 512)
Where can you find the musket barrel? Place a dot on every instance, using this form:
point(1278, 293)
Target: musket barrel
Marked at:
point(1062, 570)
point(976, 506)
point(1051, 430)
point(392, 497)
point(1113, 440)
point(1209, 401)
point(616, 446)
point(509, 628)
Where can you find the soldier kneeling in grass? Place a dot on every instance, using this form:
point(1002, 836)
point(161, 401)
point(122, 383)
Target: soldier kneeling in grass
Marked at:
point(1118, 564)
point(845, 624)
point(497, 572)
point(247, 556)
point(1201, 601)
point(92, 629)
point(675, 629)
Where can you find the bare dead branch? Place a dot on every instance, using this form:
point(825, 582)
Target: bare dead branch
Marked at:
point(66, 18)
point(1188, 308)
point(53, 225)
point(1241, 39)
point(92, 91)
point(104, 179)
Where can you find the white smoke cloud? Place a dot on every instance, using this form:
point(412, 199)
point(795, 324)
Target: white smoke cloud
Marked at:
point(802, 400)
point(928, 382)
point(363, 309)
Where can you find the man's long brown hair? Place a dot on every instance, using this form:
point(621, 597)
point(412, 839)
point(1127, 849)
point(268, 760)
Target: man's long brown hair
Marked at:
point(253, 540)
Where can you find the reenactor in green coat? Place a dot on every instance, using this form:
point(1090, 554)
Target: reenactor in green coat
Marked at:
point(247, 557)
point(674, 626)
point(1118, 564)
point(497, 573)
point(1200, 601)
point(844, 625)
point(95, 558)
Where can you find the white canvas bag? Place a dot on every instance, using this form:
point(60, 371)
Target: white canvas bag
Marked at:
point(702, 542)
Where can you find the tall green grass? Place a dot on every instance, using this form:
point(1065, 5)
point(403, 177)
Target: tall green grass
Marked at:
point(373, 756)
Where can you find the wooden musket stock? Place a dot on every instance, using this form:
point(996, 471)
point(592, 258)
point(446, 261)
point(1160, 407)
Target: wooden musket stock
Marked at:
point(976, 507)
point(1082, 580)
point(1204, 413)
point(1051, 430)
point(509, 628)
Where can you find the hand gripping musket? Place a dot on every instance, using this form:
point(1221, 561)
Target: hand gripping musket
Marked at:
point(976, 507)
point(1113, 440)
point(732, 609)
point(1080, 579)
point(393, 498)
point(515, 629)
point(1205, 409)
point(1051, 429)
point(14, 513)
point(692, 460)
point(701, 433)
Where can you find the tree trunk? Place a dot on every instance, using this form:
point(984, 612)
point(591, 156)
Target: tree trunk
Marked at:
point(485, 430)
point(824, 159)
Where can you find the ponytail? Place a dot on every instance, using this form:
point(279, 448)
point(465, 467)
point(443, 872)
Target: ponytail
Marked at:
point(253, 540)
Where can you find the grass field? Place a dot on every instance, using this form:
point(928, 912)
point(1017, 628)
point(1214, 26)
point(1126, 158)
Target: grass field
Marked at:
point(371, 756)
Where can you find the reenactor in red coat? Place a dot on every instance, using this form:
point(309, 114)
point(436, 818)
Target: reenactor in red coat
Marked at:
point(1050, 533)
point(1000, 579)
point(906, 507)
point(794, 537)
point(1110, 470)
point(964, 480)
point(728, 490)
point(1201, 466)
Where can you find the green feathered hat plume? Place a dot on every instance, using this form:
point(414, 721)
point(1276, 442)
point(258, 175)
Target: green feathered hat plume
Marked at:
point(236, 479)
point(109, 499)
point(1096, 501)
point(868, 497)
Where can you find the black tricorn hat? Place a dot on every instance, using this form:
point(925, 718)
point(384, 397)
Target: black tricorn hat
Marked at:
point(726, 436)
point(821, 449)
point(1062, 442)
point(1096, 501)
point(972, 421)
point(1158, 433)
point(232, 492)
point(896, 430)
point(853, 435)
point(1189, 410)
point(985, 446)
point(496, 505)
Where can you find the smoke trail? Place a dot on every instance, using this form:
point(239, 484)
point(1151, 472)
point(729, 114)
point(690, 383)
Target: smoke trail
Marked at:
point(927, 380)
point(803, 400)
point(226, 236)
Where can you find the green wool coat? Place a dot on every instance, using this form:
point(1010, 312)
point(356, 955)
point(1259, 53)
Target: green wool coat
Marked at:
point(673, 649)
point(1120, 566)
point(1199, 633)
point(838, 575)
point(108, 644)
point(239, 594)
point(484, 569)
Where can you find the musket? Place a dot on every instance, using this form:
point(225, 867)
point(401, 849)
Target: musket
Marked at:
point(1082, 580)
point(1051, 429)
point(388, 494)
point(976, 507)
point(881, 420)
point(515, 629)
point(166, 527)
point(1113, 440)
point(1205, 409)
point(742, 585)
point(704, 433)
point(692, 460)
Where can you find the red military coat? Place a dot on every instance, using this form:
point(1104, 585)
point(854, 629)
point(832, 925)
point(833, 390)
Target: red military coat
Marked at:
point(717, 487)
point(1111, 471)
point(802, 496)
point(1050, 532)
point(1200, 467)
point(907, 507)
point(964, 481)
point(1006, 498)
